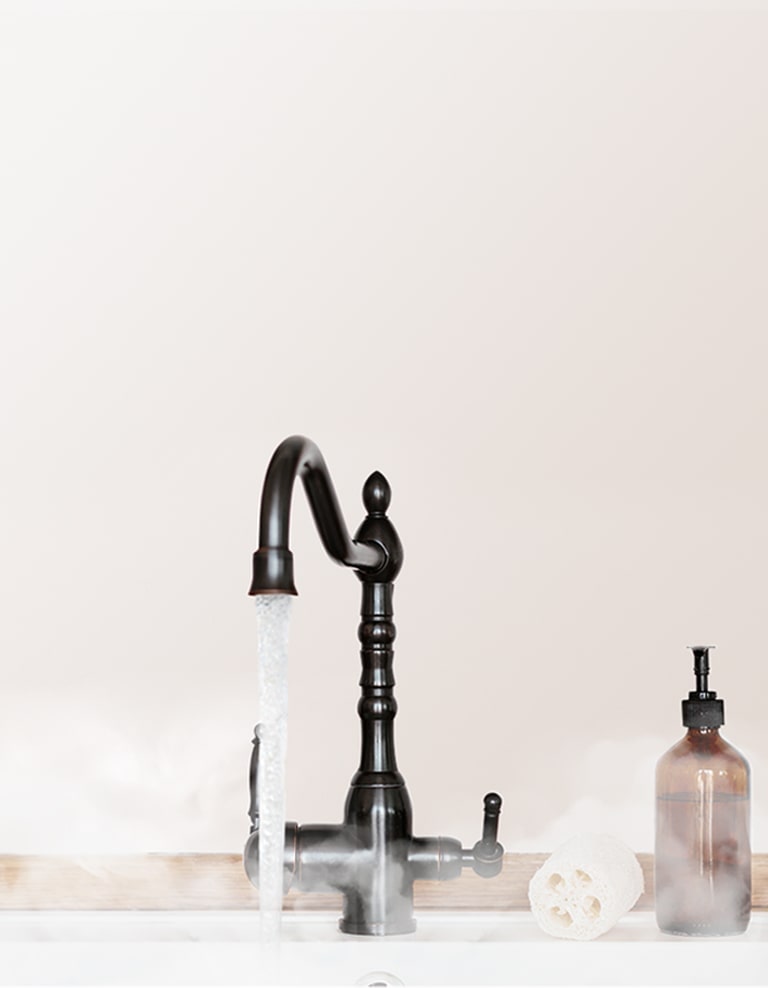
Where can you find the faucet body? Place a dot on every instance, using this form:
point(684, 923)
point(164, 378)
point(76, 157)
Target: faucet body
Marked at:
point(372, 857)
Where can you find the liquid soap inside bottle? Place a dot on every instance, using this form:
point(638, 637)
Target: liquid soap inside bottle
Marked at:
point(703, 859)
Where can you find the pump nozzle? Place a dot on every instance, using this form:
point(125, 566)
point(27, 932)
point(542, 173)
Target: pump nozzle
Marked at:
point(701, 667)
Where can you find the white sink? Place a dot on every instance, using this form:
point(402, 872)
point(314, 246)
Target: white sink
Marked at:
point(482, 948)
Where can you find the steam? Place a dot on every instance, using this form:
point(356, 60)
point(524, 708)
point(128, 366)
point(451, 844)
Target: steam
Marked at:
point(83, 774)
point(713, 904)
point(89, 773)
point(609, 787)
point(703, 873)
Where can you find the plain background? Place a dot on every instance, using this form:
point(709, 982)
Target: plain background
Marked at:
point(512, 256)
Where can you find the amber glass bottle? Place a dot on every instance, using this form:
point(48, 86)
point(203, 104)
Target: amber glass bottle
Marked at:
point(702, 860)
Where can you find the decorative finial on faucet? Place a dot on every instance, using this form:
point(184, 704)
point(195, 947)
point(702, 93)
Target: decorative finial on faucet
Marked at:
point(377, 530)
point(377, 494)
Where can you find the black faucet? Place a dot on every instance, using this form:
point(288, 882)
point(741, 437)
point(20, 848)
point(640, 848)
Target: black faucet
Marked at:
point(372, 858)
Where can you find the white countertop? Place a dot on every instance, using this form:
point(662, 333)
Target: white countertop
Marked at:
point(481, 948)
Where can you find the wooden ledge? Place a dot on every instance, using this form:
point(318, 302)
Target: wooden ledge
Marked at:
point(217, 881)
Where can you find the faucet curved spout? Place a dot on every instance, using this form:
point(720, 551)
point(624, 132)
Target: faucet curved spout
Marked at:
point(298, 456)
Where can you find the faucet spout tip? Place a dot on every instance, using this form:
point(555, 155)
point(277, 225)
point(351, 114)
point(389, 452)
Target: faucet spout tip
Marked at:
point(272, 572)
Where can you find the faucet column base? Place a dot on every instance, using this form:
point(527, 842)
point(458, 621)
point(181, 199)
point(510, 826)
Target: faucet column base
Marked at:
point(377, 929)
point(383, 911)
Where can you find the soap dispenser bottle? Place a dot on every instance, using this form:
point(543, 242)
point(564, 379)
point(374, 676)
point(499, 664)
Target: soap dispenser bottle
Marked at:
point(702, 861)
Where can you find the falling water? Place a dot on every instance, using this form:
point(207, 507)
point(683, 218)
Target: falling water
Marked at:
point(273, 612)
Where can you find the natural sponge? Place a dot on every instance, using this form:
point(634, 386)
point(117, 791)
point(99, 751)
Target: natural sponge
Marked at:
point(585, 887)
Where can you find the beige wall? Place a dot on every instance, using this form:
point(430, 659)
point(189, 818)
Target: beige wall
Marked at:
point(514, 259)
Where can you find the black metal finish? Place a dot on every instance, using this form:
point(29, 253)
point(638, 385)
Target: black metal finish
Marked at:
point(701, 667)
point(372, 858)
point(702, 709)
point(273, 562)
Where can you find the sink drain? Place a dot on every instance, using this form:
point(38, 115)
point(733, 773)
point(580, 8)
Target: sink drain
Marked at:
point(375, 978)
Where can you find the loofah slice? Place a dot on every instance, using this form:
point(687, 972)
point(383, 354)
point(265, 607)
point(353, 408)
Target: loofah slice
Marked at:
point(585, 887)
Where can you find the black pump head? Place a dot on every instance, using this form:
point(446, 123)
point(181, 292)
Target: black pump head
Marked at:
point(702, 708)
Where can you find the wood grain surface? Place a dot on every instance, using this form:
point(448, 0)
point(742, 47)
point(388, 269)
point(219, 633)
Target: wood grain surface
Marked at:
point(217, 881)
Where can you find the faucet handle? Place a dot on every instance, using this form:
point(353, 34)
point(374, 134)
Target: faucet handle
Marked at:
point(488, 854)
point(253, 779)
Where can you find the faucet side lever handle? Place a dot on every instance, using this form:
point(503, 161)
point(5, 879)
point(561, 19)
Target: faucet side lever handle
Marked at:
point(253, 780)
point(488, 854)
point(442, 858)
